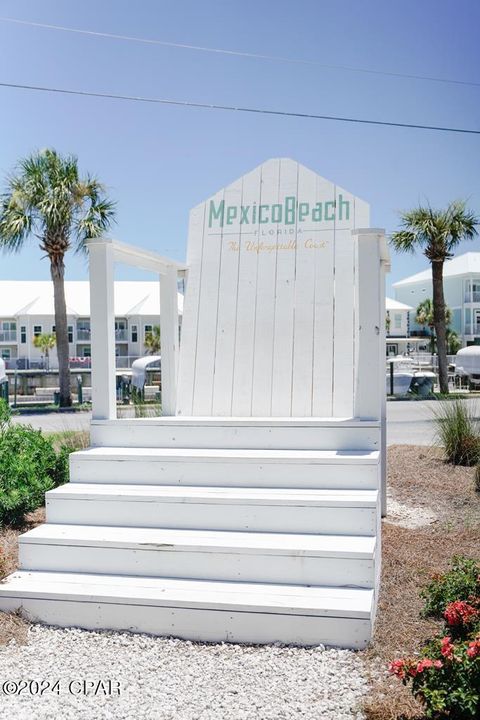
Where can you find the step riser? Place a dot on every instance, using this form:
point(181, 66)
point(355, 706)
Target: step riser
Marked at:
point(262, 437)
point(165, 561)
point(215, 516)
point(219, 473)
point(198, 625)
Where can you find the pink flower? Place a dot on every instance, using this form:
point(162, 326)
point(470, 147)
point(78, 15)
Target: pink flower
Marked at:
point(459, 613)
point(426, 663)
point(447, 648)
point(473, 649)
point(397, 667)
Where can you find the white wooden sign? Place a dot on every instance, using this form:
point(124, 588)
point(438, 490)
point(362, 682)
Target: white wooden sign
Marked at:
point(268, 323)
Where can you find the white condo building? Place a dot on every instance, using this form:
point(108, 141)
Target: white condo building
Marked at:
point(462, 294)
point(27, 310)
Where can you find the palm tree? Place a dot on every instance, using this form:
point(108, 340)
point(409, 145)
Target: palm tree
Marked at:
point(424, 317)
point(453, 341)
point(46, 199)
point(152, 340)
point(437, 233)
point(45, 342)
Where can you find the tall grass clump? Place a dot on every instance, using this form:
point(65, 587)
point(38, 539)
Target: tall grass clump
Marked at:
point(458, 432)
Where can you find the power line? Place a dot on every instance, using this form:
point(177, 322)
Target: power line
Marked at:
point(239, 53)
point(258, 111)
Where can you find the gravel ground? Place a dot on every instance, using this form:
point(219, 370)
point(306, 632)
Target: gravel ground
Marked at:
point(165, 679)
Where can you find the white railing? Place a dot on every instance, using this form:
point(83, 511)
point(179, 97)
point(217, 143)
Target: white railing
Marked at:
point(103, 255)
point(472, 329)
point(472, 297)
point(8, 336)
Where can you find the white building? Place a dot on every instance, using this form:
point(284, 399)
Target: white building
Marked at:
point(27, 310)
point(462, 294)
point(397, 327)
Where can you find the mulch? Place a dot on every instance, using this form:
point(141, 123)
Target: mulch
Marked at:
point(419, 477)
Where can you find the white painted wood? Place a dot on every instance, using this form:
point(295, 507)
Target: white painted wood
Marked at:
point(247, 468)
point(102, 314)
point(368, 391)
point(284, 317)
point(227, 306)
point(267, 240)
point(246, 300)
point(207, 318)
point(169, 339)
point(269, 473)
point(245, 557)
point(274, 295)
point(343, 329)
point(203, 611)
point(188, 344)
point(144, 259)
point(232, 509)
point(246, 433)
point(289, 599)
point(303, 336)
point(324, 308)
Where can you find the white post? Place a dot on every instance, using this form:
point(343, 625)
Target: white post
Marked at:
point(169, 339)
point(102, 319)
point(370, 268)
point(368, 324)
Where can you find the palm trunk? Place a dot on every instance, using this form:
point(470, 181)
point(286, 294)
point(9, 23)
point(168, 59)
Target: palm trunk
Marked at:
point(439, 322)
point(57, 270)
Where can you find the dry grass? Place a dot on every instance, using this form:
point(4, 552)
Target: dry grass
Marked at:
point(12, 626)
point(417, 476)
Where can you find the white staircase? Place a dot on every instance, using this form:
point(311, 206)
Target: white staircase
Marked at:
point(235, 537)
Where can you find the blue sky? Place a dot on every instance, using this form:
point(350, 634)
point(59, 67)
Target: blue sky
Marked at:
point(160, 161)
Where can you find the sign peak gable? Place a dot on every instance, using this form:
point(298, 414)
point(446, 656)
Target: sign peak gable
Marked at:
point(282, 165)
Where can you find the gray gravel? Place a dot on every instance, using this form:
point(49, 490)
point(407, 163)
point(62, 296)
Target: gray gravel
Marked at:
point(165, 679)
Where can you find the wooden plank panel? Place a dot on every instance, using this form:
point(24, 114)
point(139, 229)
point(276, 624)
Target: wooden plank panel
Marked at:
point(227, 304)
point(246, 299)
point(267, 241)
point(207, 315)
point(285, 303)
point(309, 245)
point(343, 350)
point(188, 344)
point(322, 393)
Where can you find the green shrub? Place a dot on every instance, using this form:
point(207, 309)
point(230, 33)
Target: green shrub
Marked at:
point(457, 432)
point(29, 466)
point(461, 582)
point(446, 679)
point(5, 414)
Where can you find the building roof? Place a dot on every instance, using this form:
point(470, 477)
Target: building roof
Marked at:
point(460, 266)
point(27, 297)
point(391, 304)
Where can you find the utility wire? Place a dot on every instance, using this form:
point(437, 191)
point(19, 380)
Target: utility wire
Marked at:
point(238, 53)
point(258, 111)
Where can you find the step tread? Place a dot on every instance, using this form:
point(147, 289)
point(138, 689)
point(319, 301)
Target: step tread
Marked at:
point(204, 540)
point(350, 457)
point(199, 594)
point(225, 496)
point(242, 422)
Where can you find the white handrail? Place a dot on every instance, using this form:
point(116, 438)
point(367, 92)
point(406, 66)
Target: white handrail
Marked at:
point(104, 253)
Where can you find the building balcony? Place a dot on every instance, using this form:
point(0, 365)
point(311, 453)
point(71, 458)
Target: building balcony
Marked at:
point(472, 329)
point(83, 334)
point(8, 336)
point(121, 335)
point(472, 297)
